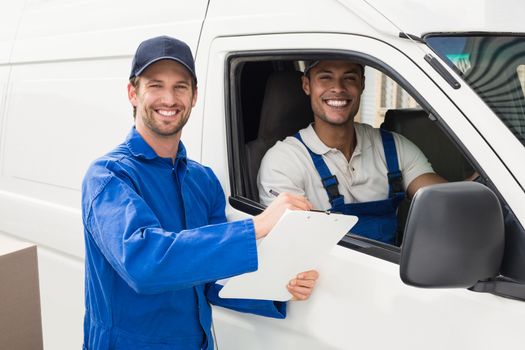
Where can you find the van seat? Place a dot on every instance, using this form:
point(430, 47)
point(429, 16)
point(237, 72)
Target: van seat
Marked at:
point(285, 110)
point(444, 156)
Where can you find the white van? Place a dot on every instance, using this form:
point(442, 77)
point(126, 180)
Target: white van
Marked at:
point(460, 66)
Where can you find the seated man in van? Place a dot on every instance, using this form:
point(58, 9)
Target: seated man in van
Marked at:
point(343, 166)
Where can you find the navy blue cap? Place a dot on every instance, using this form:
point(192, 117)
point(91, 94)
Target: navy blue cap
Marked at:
point(162, 48)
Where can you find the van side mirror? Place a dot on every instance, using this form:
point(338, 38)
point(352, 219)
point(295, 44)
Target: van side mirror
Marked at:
point(454, 236)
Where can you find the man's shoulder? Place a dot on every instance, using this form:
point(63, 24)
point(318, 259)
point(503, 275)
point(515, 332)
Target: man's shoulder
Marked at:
point(290, 144)
point(289, 147)
point(108, 161)
point(200, 172)
point(367, 129)
point(197, 168)
point(102, 170)
point(374, 134)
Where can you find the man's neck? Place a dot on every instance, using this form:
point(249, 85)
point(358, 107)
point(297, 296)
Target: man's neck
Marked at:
point(164, 146)
point(341, 137)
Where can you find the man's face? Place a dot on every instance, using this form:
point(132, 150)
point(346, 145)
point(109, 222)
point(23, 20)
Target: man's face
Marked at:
point(163, 97)
point(335, 89)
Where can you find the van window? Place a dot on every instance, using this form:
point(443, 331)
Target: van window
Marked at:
point(521, 76)
point(267, 104)
point(493, 67)
point(381, 94)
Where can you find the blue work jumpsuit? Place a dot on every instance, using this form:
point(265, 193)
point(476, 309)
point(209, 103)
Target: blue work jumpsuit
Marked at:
point(156, 239)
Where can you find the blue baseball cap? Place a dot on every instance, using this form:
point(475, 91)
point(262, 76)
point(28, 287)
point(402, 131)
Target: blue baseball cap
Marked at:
point(162, 48)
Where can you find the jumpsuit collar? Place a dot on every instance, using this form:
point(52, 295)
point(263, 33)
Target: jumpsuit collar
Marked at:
point(140, 148)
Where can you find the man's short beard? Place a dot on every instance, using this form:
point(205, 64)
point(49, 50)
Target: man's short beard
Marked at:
point(149, 122)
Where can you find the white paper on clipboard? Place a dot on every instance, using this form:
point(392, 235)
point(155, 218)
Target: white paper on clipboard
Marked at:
point(297, 243)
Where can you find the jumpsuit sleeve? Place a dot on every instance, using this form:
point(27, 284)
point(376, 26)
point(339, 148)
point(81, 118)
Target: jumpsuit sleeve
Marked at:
point(266, 308)
point(151, 259)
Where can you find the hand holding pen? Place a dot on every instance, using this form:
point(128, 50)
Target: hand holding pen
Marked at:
point(276, 194)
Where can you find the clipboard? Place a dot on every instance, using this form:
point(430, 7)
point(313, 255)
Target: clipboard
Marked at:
point(297, 243)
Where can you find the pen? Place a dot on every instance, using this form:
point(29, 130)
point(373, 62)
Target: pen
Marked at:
point(275, 194)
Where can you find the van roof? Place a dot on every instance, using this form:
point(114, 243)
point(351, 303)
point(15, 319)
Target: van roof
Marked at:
point(418, 17)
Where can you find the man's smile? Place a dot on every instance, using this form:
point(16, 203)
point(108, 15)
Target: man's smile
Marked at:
point(337, 103)
point(168, 112)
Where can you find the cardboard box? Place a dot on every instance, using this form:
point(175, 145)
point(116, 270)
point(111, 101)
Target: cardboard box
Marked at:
point(20, 319)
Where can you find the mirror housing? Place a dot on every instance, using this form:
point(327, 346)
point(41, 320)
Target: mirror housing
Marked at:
point(454, 236)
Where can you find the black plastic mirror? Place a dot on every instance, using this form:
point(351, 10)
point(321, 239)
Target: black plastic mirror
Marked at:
point(454, 236)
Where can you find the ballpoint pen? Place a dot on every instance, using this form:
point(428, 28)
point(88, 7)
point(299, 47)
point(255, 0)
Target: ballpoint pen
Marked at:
point(275, 194)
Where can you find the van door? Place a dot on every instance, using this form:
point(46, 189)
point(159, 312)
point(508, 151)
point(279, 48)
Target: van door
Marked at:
point(360, 301)
point(67, 105)
point(10, 15)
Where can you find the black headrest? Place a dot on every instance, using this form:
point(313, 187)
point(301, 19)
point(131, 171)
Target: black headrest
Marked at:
point(415, 125)
point(286, 108)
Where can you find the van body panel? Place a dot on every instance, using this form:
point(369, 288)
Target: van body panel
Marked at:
point(359, 294)
point(94, 29)
point(9, 21)
point(498, 136)
point(369, 298)
point(419, 18)
point(63, 103)
point(4, 81)
point(225, 17)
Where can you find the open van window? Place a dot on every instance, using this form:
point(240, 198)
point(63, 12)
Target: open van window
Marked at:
point(493, 66)
point(267, 104)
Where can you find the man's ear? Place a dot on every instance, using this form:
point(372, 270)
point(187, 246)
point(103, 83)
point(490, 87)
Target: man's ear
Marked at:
point(306, 85)
point(194, 98)
point(132, 95)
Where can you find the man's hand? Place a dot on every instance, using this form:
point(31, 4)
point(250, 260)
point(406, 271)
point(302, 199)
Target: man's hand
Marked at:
point(302, 286)
point(266, 220)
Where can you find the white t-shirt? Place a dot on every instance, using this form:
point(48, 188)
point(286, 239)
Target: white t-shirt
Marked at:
point(288, 167)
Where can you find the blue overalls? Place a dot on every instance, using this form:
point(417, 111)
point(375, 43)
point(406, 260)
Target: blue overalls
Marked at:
point(377, 219)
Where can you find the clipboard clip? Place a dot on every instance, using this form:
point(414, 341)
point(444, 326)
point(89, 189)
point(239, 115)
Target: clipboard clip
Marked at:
point(327, 212)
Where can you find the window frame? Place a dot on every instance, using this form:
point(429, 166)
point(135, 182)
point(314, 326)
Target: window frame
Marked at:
point(234, 119)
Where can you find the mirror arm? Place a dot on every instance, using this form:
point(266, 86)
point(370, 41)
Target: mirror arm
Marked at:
point(501, 286)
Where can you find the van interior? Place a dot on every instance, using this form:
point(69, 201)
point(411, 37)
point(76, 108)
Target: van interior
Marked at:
point(267, 105)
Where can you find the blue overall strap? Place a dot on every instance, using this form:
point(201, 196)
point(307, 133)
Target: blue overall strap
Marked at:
point(395, 178)
point(328, 180)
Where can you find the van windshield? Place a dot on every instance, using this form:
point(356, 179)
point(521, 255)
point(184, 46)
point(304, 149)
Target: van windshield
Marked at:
point(494, 66)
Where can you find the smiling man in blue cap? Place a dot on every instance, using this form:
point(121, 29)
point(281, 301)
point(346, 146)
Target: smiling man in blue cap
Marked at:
point(155, 229)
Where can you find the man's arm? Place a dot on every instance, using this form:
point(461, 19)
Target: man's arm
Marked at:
point(300, 287)
point(414, 162)
point(422, 181)
point(152, 259)
point(279, 173)
point(431, 179)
